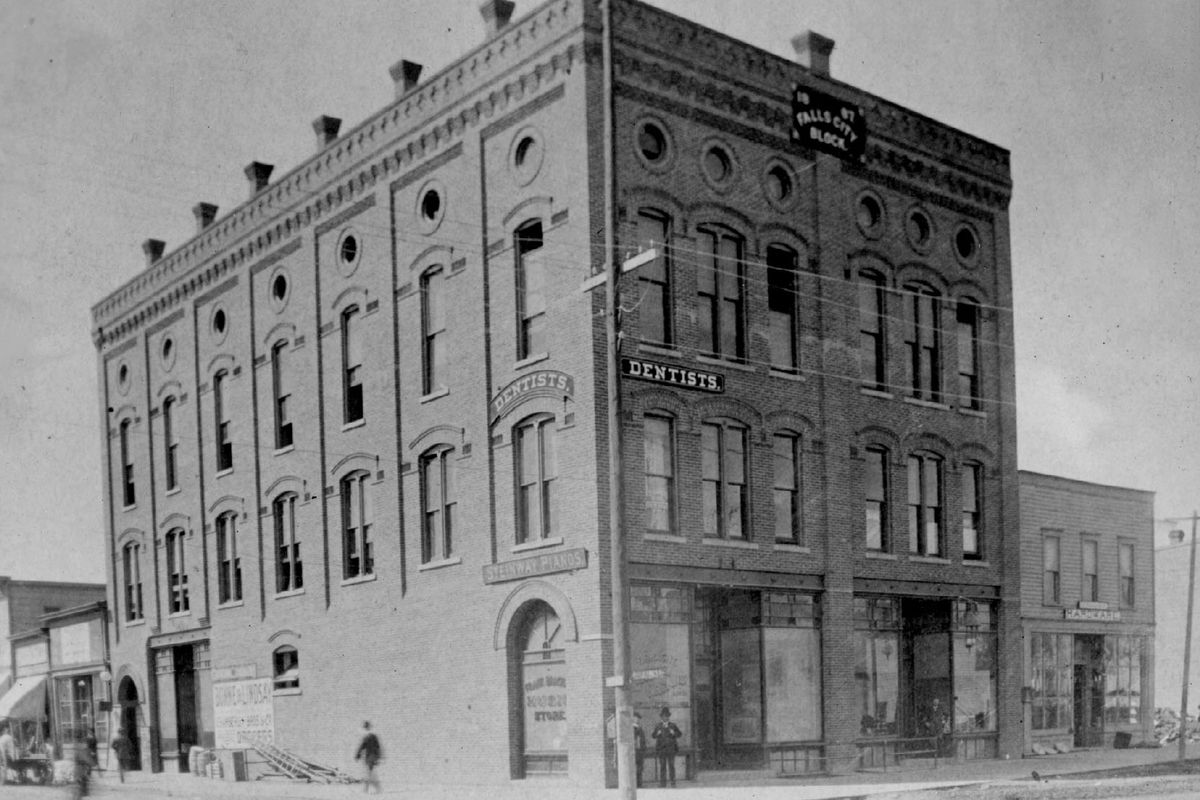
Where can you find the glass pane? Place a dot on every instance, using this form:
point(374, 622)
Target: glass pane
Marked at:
point(933, 482)
point(710, 508)
point(652, 232)
point(733, 511)
point(735, 459)
point(533, 266)
point(351, 339)
point(710, 452)
point(549, 452)
point(741, 684)
point(793, 684)
point(651, 308)
point(706, 279)
point(729, 256)
point(433, 483)
point(914, 481)
point(877, 679)
point(785, 462)
point(969, 488)
point(658, 446)
point(874, 526)
point(874, 476)
point(785, 523)
point(658, 504)
point(974, 682)
point(1050, 554)
point(527, 445)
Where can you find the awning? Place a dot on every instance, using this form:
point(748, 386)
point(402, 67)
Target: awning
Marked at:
point(25, 700)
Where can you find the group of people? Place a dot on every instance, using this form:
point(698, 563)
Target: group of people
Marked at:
point(666, 736)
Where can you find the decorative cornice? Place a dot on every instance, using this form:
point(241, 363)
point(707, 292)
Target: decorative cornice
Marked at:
point(419, 125)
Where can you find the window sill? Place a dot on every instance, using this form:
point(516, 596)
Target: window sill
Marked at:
point(135, 623)
point(530, 360)
point(971, 412)
point(279, 451)
point(281, 692)
point(231, 604)
point(916, 401)
point(730, 362)
point(130, 507)
point(919, 559)
point(357, 579)
point(289, 593)
point(882, 395)
point(221, 473)
point(434, 395)
point(788, 547)
point(736, 544)
point(537, 545)
point(663, 537)
point(880, 555)
point(788, 374)
point(179, 614)
point(445, 562)
point(659, 350)
point(172, 490)
point(974, 562)
point(354, 423)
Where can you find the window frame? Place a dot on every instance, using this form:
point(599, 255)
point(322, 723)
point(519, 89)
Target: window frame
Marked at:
point(923, 338)
point(284, 659)
point(357, 545)
point(289, 566)
point(229, 561)
point(783, 305)
point(794, 492)
point(655, 278)
point(969, 382)
point(177, 578)
point(1089, 586)
point(721, 486)
point(280, 397)
point(667, 478)
point(353, 405)
point(872, 328)
point(224, 445)
point(972, 513)
point(1051, 578)
point(132, 568)
point(541, 428)
point(433, 329)
point(881, 455)
point(128, 485)
point(1127, 583)
point(438, 524)
point(717, 305)
point(928, 506)
point(170, 445)
point(530, 238)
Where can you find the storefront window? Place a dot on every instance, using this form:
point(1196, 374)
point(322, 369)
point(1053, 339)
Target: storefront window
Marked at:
point(76, 711)
point(974, 668)
point(1123, 679)
point(877, 664)
point(1050, 660)
point(658, 630)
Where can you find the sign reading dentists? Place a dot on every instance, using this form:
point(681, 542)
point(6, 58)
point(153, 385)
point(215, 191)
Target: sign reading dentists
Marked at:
point(672, 375)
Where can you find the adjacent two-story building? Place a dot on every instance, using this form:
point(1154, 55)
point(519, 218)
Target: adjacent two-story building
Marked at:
point(356, 429)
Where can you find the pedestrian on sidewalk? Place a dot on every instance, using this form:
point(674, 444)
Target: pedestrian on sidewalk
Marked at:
point(121, 746)
point(666, 735)
point(370, 752)
point(639, 746)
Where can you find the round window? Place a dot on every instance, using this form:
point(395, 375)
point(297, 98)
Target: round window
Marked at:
point(869, 214)
point(123, 378)
point(219, 323)
point(525, 155)
point(431, 204)
point(168, 352)
point(919, 229)
point(778, 185)
point(279, 291)
point(349, 249)
point(717, 165)
point(651, 142)
point(349, 252)
point(966, 245)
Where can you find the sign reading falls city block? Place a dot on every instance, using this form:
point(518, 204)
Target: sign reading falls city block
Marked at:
point(824, 123)
point(544, 564)
point(672, 375)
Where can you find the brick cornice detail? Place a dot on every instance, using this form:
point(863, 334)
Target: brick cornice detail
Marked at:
point(403, 135)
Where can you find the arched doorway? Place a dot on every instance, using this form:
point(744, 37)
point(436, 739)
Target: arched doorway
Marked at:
point(542, 667)
point(127, 699)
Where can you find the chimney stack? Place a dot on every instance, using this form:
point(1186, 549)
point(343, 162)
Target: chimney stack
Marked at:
point(405, 74)
point(496, 14)
point(153, 248)
point(813, 51)
point(204, 213)
point(259, 175)
point(326, 128)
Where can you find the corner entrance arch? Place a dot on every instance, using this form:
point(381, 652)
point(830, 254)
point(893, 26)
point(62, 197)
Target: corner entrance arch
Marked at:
point(128, 701)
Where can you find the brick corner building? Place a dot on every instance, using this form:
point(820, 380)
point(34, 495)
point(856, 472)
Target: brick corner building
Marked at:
point(356, 442)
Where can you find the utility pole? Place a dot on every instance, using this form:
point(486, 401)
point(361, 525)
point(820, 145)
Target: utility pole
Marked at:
point(1187, 645)
point(626, 767)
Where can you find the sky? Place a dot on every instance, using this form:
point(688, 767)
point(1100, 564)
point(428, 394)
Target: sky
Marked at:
point(120, 116)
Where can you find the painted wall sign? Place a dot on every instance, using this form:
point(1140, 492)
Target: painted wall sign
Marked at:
point(670, 374)
point(243, 710)
point(827, 124)
point(1091, 615)
point(237, 672)
point(543, 564)
point(543, 383)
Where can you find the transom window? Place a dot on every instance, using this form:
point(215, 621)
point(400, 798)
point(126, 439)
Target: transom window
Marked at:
point(654, 278)
point(720, 280)
point(289, 569)
point(438, 499)
point(537, 468)
point(176, 572)
point(229, 560)
point(659, 439)
point(925, 504)
point(358, 556)
point(723, 471)
point(531, 286)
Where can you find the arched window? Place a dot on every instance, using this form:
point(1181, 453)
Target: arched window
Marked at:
point(229, 560)
point(925, 504)
point(781, 306)
point(968, 355)
point(433, 329)
point(224, 444)
point(280, 385)
point(438, 499)
point(788, 518)
point(536, 470)
point(170, 444)
point(286, 669)
point(720, 286)
point(659, 443)
point(544, 690)
point(176, 572)
point(723, 473)
point(871, 314)
point(875, 498)
point(654, 278)
point(289, 569)
point(972, 515)
point(531, 298)
point(131, 558)
point(352, 366)
point(923, 338)
point(128, 491)
point(358, 554)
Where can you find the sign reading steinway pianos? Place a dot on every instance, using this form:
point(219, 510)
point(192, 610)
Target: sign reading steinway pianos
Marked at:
point(544, 564)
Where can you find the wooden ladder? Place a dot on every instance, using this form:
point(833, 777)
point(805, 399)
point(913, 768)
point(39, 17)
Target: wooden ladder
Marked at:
point(292, 766)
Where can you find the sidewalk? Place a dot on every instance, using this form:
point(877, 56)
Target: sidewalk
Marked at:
point(143, 786)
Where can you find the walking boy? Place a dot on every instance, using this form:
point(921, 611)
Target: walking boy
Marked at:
point(370, 752)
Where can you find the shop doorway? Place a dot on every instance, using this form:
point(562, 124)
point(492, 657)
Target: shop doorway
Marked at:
point(127, 700)
point(927, 670)
point(543, 691)
point(187, 713)
point(1088, 690)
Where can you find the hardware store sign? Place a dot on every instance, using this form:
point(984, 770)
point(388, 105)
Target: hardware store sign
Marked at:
point(243, 711)
point(824, 123)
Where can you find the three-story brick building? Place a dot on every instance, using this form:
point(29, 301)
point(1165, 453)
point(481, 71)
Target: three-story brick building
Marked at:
point(357, 431)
